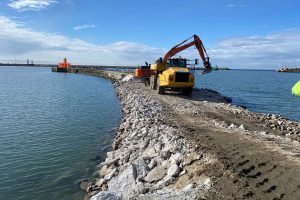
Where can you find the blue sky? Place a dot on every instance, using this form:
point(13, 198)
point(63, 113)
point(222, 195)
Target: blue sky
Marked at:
point(237, 33)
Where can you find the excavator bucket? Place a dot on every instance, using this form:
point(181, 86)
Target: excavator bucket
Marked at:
point(207, 70)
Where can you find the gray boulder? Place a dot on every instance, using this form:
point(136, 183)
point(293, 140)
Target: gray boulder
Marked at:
point(156, 174)
point(173, 170)
point(107, 196)
point(125, 182)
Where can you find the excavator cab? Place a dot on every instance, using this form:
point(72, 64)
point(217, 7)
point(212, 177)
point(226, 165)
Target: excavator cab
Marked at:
point(177, 62)
point(180, 62)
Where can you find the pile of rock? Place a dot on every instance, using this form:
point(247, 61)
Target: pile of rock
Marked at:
point(271, 124)
point(148, 156)
point(277, 124)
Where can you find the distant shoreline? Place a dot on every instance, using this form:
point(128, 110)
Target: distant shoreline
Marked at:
point(25, 65)
point(116, 67)
point(73, 66)
point(91, 66)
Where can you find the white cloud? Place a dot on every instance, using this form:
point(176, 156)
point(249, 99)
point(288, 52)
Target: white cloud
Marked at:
point(85, 26)
point(260, 52)
point(235, 5)
point(18, 41)
point(35, 5)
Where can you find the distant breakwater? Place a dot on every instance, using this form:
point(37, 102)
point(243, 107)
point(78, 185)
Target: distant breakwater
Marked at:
point(73, 66)
point(94, 67)
point(148, 154)
point(150, 159)
point(291, 70)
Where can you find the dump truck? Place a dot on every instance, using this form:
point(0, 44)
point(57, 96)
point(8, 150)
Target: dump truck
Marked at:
point(172, 73)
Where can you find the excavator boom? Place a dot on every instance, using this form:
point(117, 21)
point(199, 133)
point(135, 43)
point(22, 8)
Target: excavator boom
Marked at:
point(201, 50)
point(177, 49)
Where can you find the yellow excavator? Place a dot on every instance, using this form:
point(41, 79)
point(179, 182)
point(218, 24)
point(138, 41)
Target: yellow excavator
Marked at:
point(172, 73)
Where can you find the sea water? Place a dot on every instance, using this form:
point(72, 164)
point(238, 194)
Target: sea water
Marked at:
point(258, 90)
point(54, 129)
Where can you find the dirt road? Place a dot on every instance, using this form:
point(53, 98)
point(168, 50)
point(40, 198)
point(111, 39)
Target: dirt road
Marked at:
point(248, 157)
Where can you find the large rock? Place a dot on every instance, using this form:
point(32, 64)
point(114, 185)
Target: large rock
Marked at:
point(100, 182)
point(142, 169)
point(125, 182)
point(173, 170)
point(176, 158)
point(152, 164)
point(156, 174)
point(107, 196)
point(104, 170)
point(85, 185)
point(149, 153)
point(205, 183)
point(170, 146)
point(109, 161)
point(111, 174)
point(127, 78)
point(165, 154)
point(191, 158)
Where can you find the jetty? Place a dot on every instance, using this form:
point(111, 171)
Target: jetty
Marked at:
point(198, 147)
point(291, 70)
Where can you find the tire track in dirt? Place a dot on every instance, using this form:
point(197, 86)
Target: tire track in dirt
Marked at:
point(247, 168)
point(258, 173)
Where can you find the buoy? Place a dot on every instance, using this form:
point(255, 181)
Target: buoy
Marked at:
point(296, 89)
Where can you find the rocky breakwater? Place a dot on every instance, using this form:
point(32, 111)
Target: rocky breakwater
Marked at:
point(286, 69)
point(148, 156)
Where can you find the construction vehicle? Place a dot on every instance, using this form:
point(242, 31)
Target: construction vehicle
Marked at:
point(143, 71)
point(172, 73)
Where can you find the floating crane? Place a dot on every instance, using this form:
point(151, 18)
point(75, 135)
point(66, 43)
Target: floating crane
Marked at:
point(64, 66)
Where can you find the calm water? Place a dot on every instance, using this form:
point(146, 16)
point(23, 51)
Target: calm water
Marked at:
point(52, 127)
point(260, 91)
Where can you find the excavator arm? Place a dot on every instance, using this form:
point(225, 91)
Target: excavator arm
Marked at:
point(201, 50)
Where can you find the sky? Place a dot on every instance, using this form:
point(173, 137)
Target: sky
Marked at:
point(239, 34)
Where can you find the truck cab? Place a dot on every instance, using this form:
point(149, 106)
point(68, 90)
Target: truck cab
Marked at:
point(173, 74)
